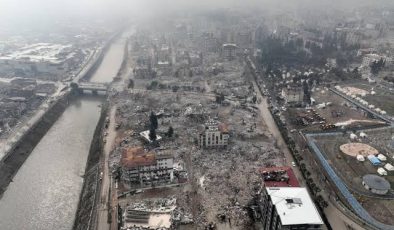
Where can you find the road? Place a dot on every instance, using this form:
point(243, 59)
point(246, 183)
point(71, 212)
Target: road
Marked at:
point(26, 122)
point(108, 190)
point(106, 182)
point(336, 218)
point(273, 128)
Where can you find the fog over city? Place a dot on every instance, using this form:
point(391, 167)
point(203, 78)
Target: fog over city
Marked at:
point(196, 114)
point(27, 12)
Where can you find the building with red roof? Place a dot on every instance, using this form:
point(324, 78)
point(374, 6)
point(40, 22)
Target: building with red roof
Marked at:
point(279, 177)
point(145, 168)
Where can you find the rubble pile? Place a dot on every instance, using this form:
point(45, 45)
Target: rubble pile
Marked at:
point(220, 178)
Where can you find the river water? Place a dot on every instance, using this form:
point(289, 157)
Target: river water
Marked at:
point(111, 62)
point(44, 193)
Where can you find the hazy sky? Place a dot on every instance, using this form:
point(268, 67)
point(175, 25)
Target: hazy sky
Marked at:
point(30, 12)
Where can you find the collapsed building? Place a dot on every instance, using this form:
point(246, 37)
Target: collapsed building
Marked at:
point(149, 214)
point(146, 168)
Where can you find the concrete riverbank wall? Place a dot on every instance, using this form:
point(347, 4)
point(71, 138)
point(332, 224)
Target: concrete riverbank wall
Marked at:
point(85, 217)
point(100, 56)
point(21, 150)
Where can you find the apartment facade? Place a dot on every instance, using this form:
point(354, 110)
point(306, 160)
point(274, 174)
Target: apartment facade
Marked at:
point(214, 135)
point(146, 168)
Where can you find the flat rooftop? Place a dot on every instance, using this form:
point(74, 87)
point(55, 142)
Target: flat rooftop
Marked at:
point(294, 206)
point(40, 52)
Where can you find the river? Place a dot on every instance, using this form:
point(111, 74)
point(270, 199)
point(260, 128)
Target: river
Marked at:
point(111, 63)
point(44, 193)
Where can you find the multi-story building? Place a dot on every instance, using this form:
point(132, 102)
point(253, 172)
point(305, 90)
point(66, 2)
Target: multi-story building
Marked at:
point(244, 40)
point(214, 135)
point(41, 59)
point(229, 51)
point(140, 167)
point(369, 58)
point(288, 208)
point(210, 42)
point(293, 95)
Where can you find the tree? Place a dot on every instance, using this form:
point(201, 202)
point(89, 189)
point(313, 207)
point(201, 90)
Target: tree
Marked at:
point(307, 94)
point(152, 134)
point(219, 98)
point(153, 120)
point(131, 84)
point(376, 66)
point(74, 87)
point(170, 132)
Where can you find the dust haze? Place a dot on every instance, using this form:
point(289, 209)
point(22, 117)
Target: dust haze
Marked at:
point(24, 14)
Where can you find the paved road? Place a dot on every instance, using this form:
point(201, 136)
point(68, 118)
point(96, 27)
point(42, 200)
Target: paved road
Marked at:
point(25, 123)
point(273, 128)
point(103, 205)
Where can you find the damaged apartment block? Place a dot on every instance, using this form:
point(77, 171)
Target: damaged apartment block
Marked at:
point(141, 168)
point(213, 135)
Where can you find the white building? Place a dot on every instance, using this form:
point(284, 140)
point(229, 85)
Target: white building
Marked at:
point(292, 95)
point(229, 51)
point(213, 135)
point(369, 58)
point(38, 59)
point(145, 136)
point(288, 208)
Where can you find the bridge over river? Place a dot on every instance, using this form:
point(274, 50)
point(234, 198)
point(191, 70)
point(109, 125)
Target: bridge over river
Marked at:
point(93, 87)
point(45, 191)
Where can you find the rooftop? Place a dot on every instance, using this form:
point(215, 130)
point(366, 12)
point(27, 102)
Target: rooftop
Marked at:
point(279, 177)
point(40, 52)
point(223, 128)
point(213, 125)
point(136, 156)
point(231, 45)
point(145, 135)
point(376, 182)
point(294, 205)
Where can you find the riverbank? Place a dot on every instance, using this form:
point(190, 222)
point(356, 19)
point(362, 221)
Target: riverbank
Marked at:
point(11, 163)
point(84, 217)
point(91, 68)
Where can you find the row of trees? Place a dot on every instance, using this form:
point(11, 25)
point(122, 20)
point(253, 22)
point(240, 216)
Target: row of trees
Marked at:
point(315, 190)
point(278, 51)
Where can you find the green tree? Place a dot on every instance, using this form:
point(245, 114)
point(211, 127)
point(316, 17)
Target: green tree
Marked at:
point(170, 132)
point(153, 120)
point(219, 98)
point(152, 134)
point(131, 84)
